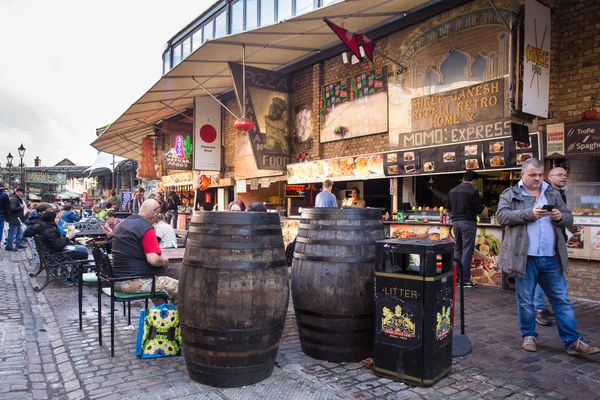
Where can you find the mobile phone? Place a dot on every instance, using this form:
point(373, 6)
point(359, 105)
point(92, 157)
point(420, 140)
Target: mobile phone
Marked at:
point(548, 207)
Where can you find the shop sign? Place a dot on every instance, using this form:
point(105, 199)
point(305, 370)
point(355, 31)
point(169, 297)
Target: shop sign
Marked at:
point(354, 106)
point(125, 197)
point(207, 134)
point(573, 138)
point(267, 106)
point(265, 183)
point(254, 184)
point(295, 191)
point(45, 177)
point(179, 155)
point(536, 59)
point(501, 153)
point(181, 179)
point(555, 140)
point(369, 166)
point(471, 104)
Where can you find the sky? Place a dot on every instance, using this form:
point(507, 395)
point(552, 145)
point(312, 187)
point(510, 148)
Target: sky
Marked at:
point(70, 66)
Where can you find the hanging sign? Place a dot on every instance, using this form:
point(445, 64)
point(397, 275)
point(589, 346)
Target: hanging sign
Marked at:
point(555, 140)
point(181, 179)
point(536, 59)
point(180, 152)
point(45, 177)
point(265, 183)
point(207, 134)
point(240, 185)
point(254, 184)
point(267, 106)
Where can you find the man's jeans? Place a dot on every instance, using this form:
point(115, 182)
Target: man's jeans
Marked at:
point(13, 233)
point(1, 225)
point(547, 272)
point(539, 299)
point(464, 234)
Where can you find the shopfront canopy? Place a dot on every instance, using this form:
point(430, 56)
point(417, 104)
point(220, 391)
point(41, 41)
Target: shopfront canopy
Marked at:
point(272, 47)
point(103, 164)
point(68, 195)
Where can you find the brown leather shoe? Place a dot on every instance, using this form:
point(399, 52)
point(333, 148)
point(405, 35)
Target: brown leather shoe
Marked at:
point(542, 319)
point(530, 343)
point(580, 348)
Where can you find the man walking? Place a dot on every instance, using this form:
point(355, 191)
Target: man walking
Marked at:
point(4, 209)
point(534, 251)
point(326, 199)
point(557, 178)
point(173, 203)
point(464, 203)
point(15, 217)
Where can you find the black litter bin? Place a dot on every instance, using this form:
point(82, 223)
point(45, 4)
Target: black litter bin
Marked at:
point(414, 290)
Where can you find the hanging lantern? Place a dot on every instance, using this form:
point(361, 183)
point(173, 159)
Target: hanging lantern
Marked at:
point(243, 124)
point(203, 182)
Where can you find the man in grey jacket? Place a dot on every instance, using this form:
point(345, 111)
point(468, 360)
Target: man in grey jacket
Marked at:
point(534, 251)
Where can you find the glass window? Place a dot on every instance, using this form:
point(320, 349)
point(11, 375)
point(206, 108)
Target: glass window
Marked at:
point(166, 62)
point(267, 12)
point(197, 39)
point(208, 31)
point(187, 47)
point(177, 55)
point(237, 16)
point(251, 14)
point(221, 25)
point(303, 6)
point(284, 9)
point(327, 2)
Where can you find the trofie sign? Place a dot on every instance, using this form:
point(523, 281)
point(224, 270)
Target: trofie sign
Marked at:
point(573, 138)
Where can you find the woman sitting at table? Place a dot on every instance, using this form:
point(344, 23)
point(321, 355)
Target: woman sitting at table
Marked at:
point(68, 215)
point(165, 233)
point(48, 231)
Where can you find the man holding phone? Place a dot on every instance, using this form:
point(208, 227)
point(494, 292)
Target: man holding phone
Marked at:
point(534, 251)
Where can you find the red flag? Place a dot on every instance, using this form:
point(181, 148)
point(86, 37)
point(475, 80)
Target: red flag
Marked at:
point(350, 39)
point(367, 45)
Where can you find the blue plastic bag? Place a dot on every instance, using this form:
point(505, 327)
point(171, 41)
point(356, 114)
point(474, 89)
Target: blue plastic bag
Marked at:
point(158, 333)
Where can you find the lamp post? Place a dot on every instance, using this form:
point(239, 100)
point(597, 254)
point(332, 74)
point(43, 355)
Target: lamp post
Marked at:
point(22, 155)
point(9, 160)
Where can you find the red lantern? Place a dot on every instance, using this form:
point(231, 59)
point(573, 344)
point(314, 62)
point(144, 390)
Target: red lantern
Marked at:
point(243, 124)
point(203, 182)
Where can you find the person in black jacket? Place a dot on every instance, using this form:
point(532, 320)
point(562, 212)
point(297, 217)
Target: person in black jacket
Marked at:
point(14, 218)
point(173, 202)
point(4, 209)
point(47, 230)
point(34, 217)
point(464, 203)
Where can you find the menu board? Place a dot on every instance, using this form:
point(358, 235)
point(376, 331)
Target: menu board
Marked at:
point(369, 166)
point(354, 106)
point(573, 138)
point(583, 242)
point(500, 153)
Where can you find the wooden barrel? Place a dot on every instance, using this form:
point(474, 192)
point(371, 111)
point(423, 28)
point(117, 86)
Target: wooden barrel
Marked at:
point(332, 282)
point(233, 297)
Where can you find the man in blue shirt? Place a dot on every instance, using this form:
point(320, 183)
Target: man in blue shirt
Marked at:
point(326, 199)
point(534, 251)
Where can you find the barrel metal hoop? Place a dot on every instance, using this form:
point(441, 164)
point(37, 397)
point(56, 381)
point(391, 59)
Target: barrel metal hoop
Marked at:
point(333, 316)
point(236, 332)
point(342, 260)
point(340, 227)
point(229, 370)
point(335, 242)
point(237, 264)
point(318, 329)
point(237, 231)
point(349, 342)
point(234, 348)
point(209, 244)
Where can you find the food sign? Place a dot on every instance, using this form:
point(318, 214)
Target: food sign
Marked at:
point(338, 169)
point(295, 190)
point(573, 138)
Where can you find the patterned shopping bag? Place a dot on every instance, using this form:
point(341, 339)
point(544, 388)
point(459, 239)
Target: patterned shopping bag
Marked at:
point(158, 333)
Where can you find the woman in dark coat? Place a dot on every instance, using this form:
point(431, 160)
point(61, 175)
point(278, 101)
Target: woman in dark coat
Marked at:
point(50, 235)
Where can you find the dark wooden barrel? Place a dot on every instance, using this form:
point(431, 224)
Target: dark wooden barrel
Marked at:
point(332, 282)
point(233, 297)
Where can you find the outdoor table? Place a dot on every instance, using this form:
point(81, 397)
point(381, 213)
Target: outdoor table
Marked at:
point(175, 257)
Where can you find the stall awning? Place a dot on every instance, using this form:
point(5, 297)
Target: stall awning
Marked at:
point(68, 194)
point(103, 164)
point(272, 47)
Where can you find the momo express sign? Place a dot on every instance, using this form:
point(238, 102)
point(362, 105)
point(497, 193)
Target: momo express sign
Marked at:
point(573, 138)
point(470, 113)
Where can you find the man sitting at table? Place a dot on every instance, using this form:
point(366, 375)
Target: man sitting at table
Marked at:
point(136, 254)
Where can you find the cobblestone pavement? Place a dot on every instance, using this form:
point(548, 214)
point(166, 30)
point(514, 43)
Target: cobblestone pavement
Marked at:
point(43, 355)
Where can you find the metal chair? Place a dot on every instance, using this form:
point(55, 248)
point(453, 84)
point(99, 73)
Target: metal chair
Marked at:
point(106, 285)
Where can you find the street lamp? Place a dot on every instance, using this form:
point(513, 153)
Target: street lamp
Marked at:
point(22, 155)
point(9, 160)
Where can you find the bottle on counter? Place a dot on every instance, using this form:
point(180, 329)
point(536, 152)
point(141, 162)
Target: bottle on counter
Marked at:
point(493, 219)
point(402, 216)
